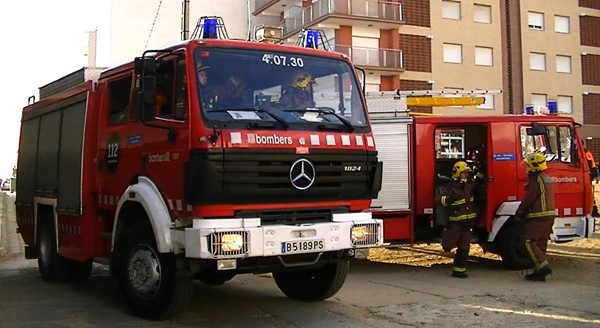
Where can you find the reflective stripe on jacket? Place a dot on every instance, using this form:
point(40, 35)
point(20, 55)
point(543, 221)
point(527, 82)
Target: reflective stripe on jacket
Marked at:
point(538, 201)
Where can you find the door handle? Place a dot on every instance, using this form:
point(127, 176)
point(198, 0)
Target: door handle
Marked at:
point(490, 179)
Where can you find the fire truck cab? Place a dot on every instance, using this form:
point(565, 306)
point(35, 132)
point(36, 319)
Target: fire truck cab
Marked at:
point(419, 153)
point(203, 160)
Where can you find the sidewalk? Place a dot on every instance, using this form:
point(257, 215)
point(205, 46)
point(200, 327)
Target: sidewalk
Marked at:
point(11, 243)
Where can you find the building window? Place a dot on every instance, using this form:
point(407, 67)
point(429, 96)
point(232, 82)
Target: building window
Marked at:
point(451, 9)
point(539, 100)
point(452, 53)
point(563, 64)
point(537, 61)
point(488, 103)
point(565, 104)
point(536, 21)
point(562, 24)
point(484, 56)
point(482, 14)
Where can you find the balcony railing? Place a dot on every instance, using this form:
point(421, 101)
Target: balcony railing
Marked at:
point(301, 17)
point(376, 57)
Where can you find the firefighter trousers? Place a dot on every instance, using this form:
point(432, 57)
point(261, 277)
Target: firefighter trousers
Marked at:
point(537, 233)
point(458, 234)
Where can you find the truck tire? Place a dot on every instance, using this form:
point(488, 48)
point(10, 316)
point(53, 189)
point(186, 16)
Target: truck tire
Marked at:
point(153, 287)
point(52, 267)
point(312, 285)
point(512, 247)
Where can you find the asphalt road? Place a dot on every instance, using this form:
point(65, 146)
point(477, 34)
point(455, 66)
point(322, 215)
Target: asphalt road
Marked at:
point(375, 295)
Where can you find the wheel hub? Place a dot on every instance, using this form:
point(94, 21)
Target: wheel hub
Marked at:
point(144, 271)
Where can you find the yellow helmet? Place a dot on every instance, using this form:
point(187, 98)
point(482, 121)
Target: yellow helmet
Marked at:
point(458, 168)
point(302, 80)
point(536, 162)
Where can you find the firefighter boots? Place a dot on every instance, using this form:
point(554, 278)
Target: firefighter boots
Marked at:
point(539, 275)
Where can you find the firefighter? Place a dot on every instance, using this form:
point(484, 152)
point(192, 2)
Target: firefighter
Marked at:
point(299, 94)
point(591, 163)
point(207, 94)
point(537, 213)
point(461, 214)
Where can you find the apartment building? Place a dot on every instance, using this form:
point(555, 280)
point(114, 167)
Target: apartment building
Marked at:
point(534, 50)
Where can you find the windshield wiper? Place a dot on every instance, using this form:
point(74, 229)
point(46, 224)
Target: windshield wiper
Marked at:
point(256, 110)
point(325, 111)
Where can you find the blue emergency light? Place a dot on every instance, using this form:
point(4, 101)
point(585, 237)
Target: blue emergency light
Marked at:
point(552, 107)
point(209, 30)
point(311, 39)
point(529, 110)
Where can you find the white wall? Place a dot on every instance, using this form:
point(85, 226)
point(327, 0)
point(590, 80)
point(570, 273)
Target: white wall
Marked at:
point(131, 21)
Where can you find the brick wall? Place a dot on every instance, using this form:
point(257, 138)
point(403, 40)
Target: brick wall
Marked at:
point(590, 30)
point(593, 145)
point(416, 12)
point(590, 69)
point(591, 109)
point(594, 4)
point(416, 52)
point(408, 85)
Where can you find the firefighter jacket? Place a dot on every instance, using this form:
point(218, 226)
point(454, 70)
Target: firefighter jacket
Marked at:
point(459, 199)
point(538, 202)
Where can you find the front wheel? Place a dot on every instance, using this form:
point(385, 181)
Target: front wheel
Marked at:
point(512, 247)
point(312, 285)
point(152, 286)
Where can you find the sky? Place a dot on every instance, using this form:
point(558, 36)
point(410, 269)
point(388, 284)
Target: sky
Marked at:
point(41, 41)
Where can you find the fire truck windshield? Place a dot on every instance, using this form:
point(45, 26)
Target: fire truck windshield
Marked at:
point(282, 89)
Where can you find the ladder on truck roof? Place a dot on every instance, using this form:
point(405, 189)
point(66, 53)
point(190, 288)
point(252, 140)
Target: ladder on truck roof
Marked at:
point(385, 104)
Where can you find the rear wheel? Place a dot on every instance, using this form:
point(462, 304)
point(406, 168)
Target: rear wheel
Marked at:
point(311, 285)
point(52, 266)
point(512, 247)
point(152, 286)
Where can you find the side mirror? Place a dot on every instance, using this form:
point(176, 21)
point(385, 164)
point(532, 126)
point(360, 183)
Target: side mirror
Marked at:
point(536, 130)
point(148, 98)
point(147, 65)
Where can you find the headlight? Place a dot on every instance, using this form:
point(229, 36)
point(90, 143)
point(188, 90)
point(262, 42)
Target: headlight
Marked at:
point(365, 235)
point(232, 242)
point(359, 233)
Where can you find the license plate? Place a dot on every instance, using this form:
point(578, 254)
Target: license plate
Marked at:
point(302, 246)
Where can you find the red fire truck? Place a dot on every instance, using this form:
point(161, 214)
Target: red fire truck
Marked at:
point(203, 160)
point(419, 151)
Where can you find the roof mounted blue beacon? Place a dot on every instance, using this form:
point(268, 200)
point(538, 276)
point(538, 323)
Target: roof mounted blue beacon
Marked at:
point(310, 38)
point(210, 27)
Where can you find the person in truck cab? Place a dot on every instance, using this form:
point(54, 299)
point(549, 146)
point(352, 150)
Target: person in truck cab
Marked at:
point(299, 94)
point(537, 213)
point(461, 213)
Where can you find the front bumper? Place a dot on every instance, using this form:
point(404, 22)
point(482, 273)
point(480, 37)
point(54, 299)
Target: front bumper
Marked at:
point(260, 241)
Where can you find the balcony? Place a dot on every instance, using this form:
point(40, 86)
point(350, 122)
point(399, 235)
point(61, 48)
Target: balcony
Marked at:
point(388, 60)
point(385, 15)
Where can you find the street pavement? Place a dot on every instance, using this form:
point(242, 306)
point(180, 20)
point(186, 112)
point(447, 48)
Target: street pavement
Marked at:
point(375, 295)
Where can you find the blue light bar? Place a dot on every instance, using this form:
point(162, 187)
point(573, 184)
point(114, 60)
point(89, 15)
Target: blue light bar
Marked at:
point(552, 107)
point(311, 39)
point(210, 29)
point(529, 110)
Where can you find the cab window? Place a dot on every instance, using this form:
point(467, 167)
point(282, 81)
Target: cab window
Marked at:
point(119, 92)
point(566, 144)
point(545, 144)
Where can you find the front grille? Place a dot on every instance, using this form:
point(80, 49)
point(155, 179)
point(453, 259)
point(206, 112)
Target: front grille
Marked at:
point(216, 239)
point(249, 176)
point(292, 217)
point(368, 236)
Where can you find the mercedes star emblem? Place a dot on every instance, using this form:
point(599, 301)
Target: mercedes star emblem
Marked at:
point(301, 141)
point(302, 174)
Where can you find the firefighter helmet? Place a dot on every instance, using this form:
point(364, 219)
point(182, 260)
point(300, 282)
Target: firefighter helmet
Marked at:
point(458, 168)
point(200, 67)
point(302, 80)
point(474, 155)
point(536, 162)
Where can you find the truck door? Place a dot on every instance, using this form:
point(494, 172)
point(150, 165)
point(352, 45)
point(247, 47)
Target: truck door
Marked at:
point(503, 164)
